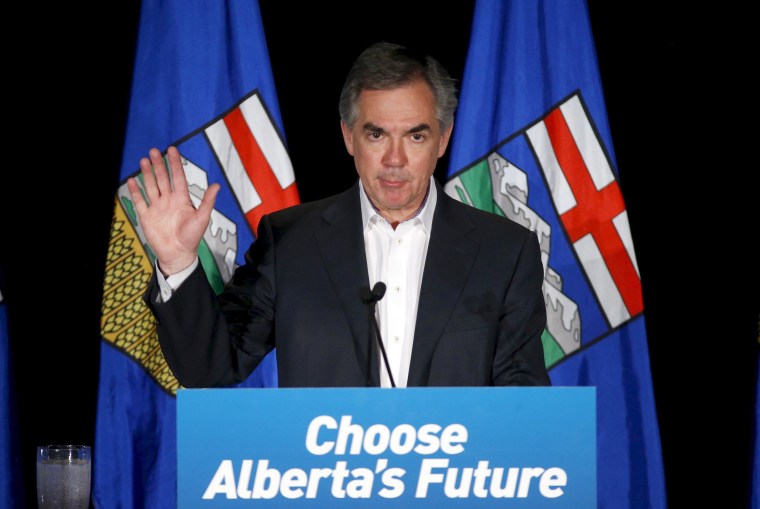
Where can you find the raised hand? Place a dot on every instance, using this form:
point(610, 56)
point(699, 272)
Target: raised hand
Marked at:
point(172, 225)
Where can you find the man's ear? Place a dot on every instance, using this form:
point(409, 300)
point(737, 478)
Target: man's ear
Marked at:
point(347, 137)
point(445, 137)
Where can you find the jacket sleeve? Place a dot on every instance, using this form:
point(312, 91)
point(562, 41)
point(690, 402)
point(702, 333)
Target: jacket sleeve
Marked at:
point(210, 340)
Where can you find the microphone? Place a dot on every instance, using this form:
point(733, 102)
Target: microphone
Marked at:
point(371, 297)
point(374, 295)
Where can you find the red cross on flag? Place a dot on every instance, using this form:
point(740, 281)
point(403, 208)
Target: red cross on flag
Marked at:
point(254, 160)
point(588, 200)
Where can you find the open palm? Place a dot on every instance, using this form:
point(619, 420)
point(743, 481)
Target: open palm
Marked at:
point(172, 225)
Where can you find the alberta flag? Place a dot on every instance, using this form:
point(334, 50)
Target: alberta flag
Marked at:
point(202, 82)
point(10, 465)
point(531, 142)
point(755, 482)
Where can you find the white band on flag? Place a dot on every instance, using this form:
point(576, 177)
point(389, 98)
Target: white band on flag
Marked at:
point(241, 185)
point(587, 142)
point(268, 140)
point(604, 286)
point(562, 195)
point(624, 230)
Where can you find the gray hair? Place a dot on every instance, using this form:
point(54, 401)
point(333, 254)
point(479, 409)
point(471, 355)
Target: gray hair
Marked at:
point(385, 66)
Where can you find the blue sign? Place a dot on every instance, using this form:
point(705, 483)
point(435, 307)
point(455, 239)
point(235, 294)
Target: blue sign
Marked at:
point(519, 447)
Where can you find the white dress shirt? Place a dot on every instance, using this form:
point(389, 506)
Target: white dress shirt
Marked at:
point(397, 258)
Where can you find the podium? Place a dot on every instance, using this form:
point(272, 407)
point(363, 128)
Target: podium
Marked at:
point(478, 447)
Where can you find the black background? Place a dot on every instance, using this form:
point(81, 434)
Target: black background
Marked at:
point(676, 83)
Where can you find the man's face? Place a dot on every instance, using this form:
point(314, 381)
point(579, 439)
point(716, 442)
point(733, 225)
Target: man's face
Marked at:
point(396, 142)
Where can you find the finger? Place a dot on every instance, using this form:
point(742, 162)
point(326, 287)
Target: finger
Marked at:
point(208, 200)
point(179, 180)
point(149, 179)
point(136, 193)
point(162, 176)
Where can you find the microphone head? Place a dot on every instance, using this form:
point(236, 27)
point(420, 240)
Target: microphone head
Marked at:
point(378, 291)
point(375, 294)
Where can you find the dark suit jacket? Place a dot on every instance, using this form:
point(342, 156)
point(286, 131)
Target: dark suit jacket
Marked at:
point(479, 321)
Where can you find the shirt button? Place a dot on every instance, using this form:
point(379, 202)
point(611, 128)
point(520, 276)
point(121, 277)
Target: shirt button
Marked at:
point(398, 289)
point(399, 241)
point(396, 339)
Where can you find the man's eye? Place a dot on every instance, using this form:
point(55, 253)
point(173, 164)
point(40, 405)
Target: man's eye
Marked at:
point(375, 136)
point(418, 137)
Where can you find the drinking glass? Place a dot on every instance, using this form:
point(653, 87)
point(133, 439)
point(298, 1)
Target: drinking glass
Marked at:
point(63, 476)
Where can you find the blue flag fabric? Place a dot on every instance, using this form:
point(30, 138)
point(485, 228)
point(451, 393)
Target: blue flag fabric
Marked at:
point(755, 482)
point(531, 142)
point(202, 82)
point(10, 478)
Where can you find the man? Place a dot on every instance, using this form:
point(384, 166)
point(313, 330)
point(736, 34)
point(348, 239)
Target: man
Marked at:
point(464, 305)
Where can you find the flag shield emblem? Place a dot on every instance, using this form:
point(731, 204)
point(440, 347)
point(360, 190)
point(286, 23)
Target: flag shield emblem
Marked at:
point(543, 167)
point(241, 148)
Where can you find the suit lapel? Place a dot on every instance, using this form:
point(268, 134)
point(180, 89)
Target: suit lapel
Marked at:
point(341, 245)
point(449, 259)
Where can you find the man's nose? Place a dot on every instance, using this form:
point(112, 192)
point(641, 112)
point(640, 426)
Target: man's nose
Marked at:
point(395, 155)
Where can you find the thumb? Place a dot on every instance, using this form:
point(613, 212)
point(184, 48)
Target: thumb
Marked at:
point(208, 200)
